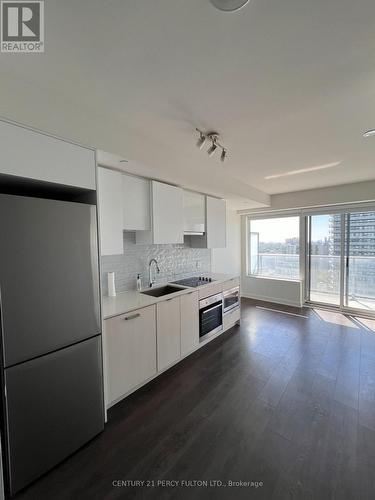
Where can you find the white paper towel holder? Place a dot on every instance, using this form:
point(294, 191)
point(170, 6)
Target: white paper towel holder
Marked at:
point(111, 285)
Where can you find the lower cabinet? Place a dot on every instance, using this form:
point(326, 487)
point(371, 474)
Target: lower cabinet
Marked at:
point(231, 318)
point(130, 341)
point(189, 322)
point(168, 332)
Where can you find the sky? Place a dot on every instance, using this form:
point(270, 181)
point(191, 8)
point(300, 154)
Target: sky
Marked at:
point(278, 230)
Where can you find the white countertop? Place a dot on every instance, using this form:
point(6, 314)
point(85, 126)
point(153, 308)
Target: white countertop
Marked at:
point(126, 302)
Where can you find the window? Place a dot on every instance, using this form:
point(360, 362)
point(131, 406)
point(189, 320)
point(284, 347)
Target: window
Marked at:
point(273, 247)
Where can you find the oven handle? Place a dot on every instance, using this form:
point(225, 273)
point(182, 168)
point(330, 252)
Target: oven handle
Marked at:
point(212, 308)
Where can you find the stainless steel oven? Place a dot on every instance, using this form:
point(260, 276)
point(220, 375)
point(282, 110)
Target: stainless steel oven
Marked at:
point(231, 299)
point(210, 316)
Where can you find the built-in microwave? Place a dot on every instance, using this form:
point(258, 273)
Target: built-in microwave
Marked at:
point(210, 316)
point(231, 299)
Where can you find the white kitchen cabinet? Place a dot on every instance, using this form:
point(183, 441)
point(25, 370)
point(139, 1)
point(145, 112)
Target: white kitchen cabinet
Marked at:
point(130, 341)
point(110, 211)
point(33, 155)
point(136, 203)
point(167, 216)
point(194, 212)
point(216, 222)
point(231, 318)
point(189, 322)
point(215, 235)
point(168, 332)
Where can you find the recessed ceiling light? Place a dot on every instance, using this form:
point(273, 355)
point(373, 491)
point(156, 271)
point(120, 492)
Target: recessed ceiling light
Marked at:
point(369, 133)
point(229, 5)
point(304, 170)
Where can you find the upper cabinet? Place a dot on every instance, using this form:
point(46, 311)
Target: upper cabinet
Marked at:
point(194, 213)
point(215, 234)
point(159, 213)
point(33, 155)
point(136, 203)
point(216, 223)
point(110, 211)
point(166, 215)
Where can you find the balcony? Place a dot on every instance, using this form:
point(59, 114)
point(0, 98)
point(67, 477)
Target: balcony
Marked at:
point(325, 277)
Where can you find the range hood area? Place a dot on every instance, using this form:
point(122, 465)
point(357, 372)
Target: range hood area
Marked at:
point(194, 214)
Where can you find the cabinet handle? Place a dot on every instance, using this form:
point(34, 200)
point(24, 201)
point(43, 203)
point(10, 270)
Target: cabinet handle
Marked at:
point(169, 299)
point(133, 316)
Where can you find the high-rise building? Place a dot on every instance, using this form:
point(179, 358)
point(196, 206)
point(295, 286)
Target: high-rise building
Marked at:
point(361, 234)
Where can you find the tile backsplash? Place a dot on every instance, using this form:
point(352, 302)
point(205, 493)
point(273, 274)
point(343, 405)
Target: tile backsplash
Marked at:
point(175, 262)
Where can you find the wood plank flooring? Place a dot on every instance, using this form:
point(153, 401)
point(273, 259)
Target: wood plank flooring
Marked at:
point(285, 400)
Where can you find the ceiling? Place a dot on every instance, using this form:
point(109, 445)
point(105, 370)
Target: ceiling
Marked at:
point(289, 85)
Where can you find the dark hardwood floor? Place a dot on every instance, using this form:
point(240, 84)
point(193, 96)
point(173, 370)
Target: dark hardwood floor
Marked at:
point(286, 400)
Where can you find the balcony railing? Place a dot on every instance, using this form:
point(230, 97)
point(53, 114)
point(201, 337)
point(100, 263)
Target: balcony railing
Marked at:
point(325, 272)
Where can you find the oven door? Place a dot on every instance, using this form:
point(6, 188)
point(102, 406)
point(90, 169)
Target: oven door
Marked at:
point(231, 299)
point(210, 319)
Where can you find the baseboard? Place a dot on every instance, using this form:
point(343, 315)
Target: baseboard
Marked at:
point(272, 300)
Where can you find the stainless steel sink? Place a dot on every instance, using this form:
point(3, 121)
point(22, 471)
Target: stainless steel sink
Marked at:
point(160, 291)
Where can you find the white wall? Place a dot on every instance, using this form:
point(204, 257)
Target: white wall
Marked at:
point(268, 289)
point(228, 260)
point(359, 192)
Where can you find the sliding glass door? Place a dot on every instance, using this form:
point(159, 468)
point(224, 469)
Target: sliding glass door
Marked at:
point(341, 260)
point(360, 261)
point(324, 259)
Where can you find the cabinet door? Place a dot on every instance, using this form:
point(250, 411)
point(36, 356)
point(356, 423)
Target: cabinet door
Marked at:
point(216, 223)
point(167, 213)
point(136, 203)
point(130, 342)
point(168, 332)
point(194, 212)
point(34, 155)
point(110, 210)
point(189, 322)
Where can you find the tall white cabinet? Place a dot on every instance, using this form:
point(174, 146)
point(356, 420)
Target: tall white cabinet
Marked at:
point(168, 332)
point(189, 307)
point(166, 216)
point(110, 210)
point(216, 223)
point(136, 203)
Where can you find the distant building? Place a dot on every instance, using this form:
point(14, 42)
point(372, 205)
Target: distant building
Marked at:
point(361, 234)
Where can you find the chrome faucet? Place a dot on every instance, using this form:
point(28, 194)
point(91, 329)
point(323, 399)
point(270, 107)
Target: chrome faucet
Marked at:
point(151, 280)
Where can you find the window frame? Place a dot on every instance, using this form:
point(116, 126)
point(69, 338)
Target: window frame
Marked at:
point(300, 254)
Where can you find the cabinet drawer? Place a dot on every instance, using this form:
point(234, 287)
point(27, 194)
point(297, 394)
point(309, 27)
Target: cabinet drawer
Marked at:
point(208, 290)
point(231, 317)
point(130, 351)
point(227, 285)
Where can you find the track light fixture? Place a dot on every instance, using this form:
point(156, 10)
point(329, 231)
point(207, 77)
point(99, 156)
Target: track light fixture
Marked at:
point(201, 141)
point(213, 137)
point(213, 147)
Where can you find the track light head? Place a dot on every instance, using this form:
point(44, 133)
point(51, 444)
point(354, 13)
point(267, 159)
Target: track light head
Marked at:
point(201, 141)
point(213, 148)
point(215, 143)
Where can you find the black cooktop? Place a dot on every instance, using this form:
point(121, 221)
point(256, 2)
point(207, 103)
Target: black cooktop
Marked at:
point(194, 281)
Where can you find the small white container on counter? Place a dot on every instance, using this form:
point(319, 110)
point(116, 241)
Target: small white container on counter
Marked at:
point(111, 285)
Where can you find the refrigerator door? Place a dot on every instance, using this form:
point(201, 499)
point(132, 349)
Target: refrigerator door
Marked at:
point(54, 405)
point(49, 279)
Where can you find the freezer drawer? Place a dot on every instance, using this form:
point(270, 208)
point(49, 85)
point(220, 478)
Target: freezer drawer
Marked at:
point(54, 405)
point(49, 281)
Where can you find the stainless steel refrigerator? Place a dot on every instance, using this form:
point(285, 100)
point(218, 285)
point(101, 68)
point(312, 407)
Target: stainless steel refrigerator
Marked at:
point(51, 360)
